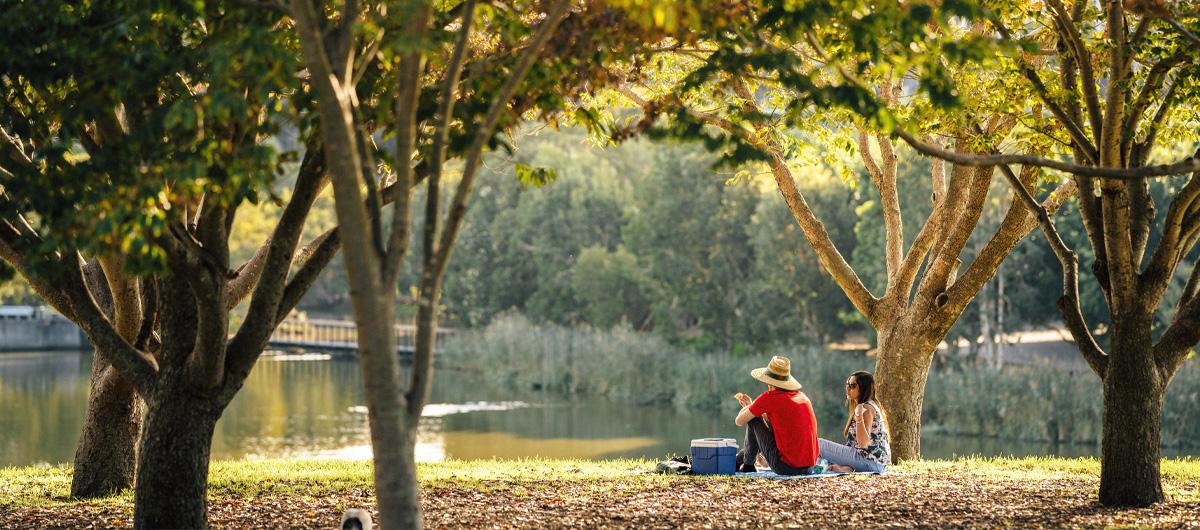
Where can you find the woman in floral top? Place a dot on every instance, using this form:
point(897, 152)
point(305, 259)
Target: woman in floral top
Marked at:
point(866, 447)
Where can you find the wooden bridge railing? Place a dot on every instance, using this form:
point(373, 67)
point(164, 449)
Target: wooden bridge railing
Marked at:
point(338, 334)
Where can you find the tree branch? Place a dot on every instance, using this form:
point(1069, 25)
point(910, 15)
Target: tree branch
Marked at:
point(126, 314)
point(1074, 130)
point(311, 166)
point(814, 230)
point(925, 237)
point(139, 367)
point(955, 230)
point(150, 306)
point(1169, 251)
point(487, 126)
point(252, 336)
point(423, 360)
point(1068, 304)
point(1115, 195)
point(52, 292)
point(206, 362)
point(445, 114)
point(407, 105)
point(1018, 221)
point(827, 253)
point(313, 259)
point(1184, 166)
point(1141, 150)
point(343, 43)
point(1154, 81)
point(884, 179)
point(1084, 59)
point(1182, 30)
point(1179, 338)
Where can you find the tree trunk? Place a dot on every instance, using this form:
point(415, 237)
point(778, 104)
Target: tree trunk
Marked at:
point(106, 457)
point(1133, 402)
point(902, 367)
point(407, 489)
point(172, 477)
point(392, 444)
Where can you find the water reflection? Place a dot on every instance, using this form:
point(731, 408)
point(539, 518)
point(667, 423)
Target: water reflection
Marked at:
point(42, 400)
point(314, 408)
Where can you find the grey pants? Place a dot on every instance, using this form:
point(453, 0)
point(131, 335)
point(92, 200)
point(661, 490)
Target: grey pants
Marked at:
point(844, 455)
point(761, 439)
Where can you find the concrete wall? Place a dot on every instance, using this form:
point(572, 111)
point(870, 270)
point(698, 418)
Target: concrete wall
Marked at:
point(47, 333)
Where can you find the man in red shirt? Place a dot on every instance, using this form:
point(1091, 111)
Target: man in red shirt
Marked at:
point(789, 442)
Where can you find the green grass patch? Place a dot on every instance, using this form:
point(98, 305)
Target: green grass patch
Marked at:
point(50, 485)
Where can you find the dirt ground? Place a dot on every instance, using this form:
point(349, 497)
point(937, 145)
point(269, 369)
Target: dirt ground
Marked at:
point(908, 501)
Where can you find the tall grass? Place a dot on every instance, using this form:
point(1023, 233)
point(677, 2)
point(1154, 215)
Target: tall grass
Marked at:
point(1033, 404)
point(620, 364)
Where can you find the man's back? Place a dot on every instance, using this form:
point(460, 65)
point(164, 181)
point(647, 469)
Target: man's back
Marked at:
point(794, 423)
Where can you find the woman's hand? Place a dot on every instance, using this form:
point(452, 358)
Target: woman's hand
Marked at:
point(859, 409)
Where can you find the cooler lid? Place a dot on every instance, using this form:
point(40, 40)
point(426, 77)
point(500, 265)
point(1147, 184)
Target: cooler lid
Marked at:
point(714, 442)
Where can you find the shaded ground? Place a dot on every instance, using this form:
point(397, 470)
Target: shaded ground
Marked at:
point(937, 495)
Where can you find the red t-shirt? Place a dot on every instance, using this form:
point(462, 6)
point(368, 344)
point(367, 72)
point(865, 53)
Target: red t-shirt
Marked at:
point(795, 425)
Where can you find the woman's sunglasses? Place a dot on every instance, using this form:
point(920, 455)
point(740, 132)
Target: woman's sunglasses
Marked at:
point(850, 384)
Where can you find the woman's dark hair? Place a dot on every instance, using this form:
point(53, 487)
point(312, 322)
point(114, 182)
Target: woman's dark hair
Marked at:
point(866, 392)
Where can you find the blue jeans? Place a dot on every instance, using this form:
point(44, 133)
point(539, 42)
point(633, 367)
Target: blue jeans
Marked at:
point(844, 455)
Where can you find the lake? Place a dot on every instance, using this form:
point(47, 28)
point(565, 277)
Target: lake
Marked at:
point(308, 407)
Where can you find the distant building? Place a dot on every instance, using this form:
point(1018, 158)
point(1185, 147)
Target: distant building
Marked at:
point(27, 312)
point(31, 328)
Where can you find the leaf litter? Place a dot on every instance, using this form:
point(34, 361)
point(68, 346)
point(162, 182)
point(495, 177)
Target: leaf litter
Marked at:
point(924, 499)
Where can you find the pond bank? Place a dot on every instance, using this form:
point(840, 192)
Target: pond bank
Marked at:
point(972, 492)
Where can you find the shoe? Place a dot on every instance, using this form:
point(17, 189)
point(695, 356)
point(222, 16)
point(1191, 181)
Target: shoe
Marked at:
point(743, 467)
point(671, 467)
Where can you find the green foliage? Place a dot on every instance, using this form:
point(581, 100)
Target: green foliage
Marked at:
point(609, 285)
point(534, 176)
point(129, 111)
point(716, 264)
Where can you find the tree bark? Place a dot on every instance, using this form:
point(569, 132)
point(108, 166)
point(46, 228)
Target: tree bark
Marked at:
point(172, 476)
point(392, 443)
point(404, 480)
point(901, 370)
point(106, 456)
point(1133, 403)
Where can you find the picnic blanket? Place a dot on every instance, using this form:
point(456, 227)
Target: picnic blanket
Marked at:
point(772, 474)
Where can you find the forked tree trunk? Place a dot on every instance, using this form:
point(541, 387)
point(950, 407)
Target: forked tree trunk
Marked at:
point(901, 370)
point(172, 476)
point(1133, 403)
point(106, 456)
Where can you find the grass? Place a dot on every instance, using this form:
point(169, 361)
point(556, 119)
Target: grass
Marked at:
point(50, 485)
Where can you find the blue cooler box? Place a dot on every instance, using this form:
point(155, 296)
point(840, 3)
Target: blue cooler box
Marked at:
point(714, 456)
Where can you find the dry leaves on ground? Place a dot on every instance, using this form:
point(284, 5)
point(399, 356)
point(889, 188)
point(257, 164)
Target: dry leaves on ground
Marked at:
point(905, 501)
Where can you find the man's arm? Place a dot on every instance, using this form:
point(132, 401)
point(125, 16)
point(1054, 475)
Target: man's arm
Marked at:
point(744, 416)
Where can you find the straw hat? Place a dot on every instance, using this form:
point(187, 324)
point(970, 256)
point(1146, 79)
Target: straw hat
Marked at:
point(777, 373)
